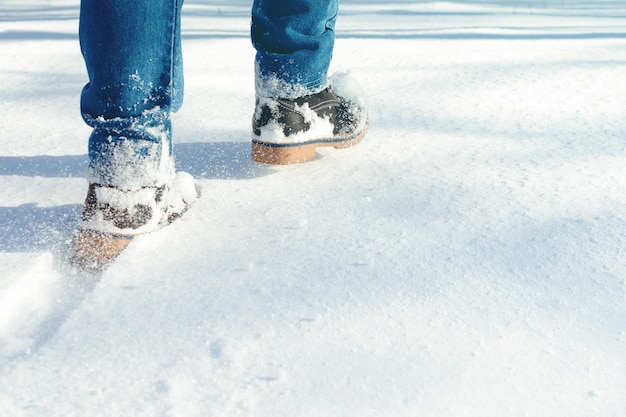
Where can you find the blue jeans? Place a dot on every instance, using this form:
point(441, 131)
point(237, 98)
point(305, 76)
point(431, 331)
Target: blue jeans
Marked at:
point(132, 50)
point(294, 41)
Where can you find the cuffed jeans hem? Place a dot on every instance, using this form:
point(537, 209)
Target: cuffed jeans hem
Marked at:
point(130, 165)
point(130, 153)
point(271, 86)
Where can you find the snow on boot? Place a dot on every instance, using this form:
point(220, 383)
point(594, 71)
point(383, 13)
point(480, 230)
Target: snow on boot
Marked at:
point(113, 216)
point(287, 131)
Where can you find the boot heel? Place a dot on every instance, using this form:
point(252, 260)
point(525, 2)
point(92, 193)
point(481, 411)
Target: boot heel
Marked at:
point(99, 246)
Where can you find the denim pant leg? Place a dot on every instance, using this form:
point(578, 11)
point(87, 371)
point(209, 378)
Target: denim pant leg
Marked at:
point(133, 56)
point(294, 41)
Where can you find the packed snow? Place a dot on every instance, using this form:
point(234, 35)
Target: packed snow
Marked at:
point(466, 259)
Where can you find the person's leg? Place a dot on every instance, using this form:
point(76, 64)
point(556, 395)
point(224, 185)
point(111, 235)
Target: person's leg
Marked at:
point(294, 42)
point(133, 57)
point(297, 110)
point(134, 62)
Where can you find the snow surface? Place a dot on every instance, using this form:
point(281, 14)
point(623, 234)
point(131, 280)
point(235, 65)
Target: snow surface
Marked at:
point(466, 259)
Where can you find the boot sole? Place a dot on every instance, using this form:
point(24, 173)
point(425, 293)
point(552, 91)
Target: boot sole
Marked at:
point(94, 250)
point(293, 153)
point(101, 248)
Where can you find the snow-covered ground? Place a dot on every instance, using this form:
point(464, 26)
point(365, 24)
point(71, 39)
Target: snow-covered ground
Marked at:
point(466, 259)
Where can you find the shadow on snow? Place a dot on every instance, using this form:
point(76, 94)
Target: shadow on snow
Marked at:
point(28, 227)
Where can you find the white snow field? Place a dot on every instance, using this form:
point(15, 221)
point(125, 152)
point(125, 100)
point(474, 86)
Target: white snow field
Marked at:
point(466, 259)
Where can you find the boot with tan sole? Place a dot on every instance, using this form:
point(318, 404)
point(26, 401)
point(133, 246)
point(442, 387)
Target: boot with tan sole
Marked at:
point(288, 131)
